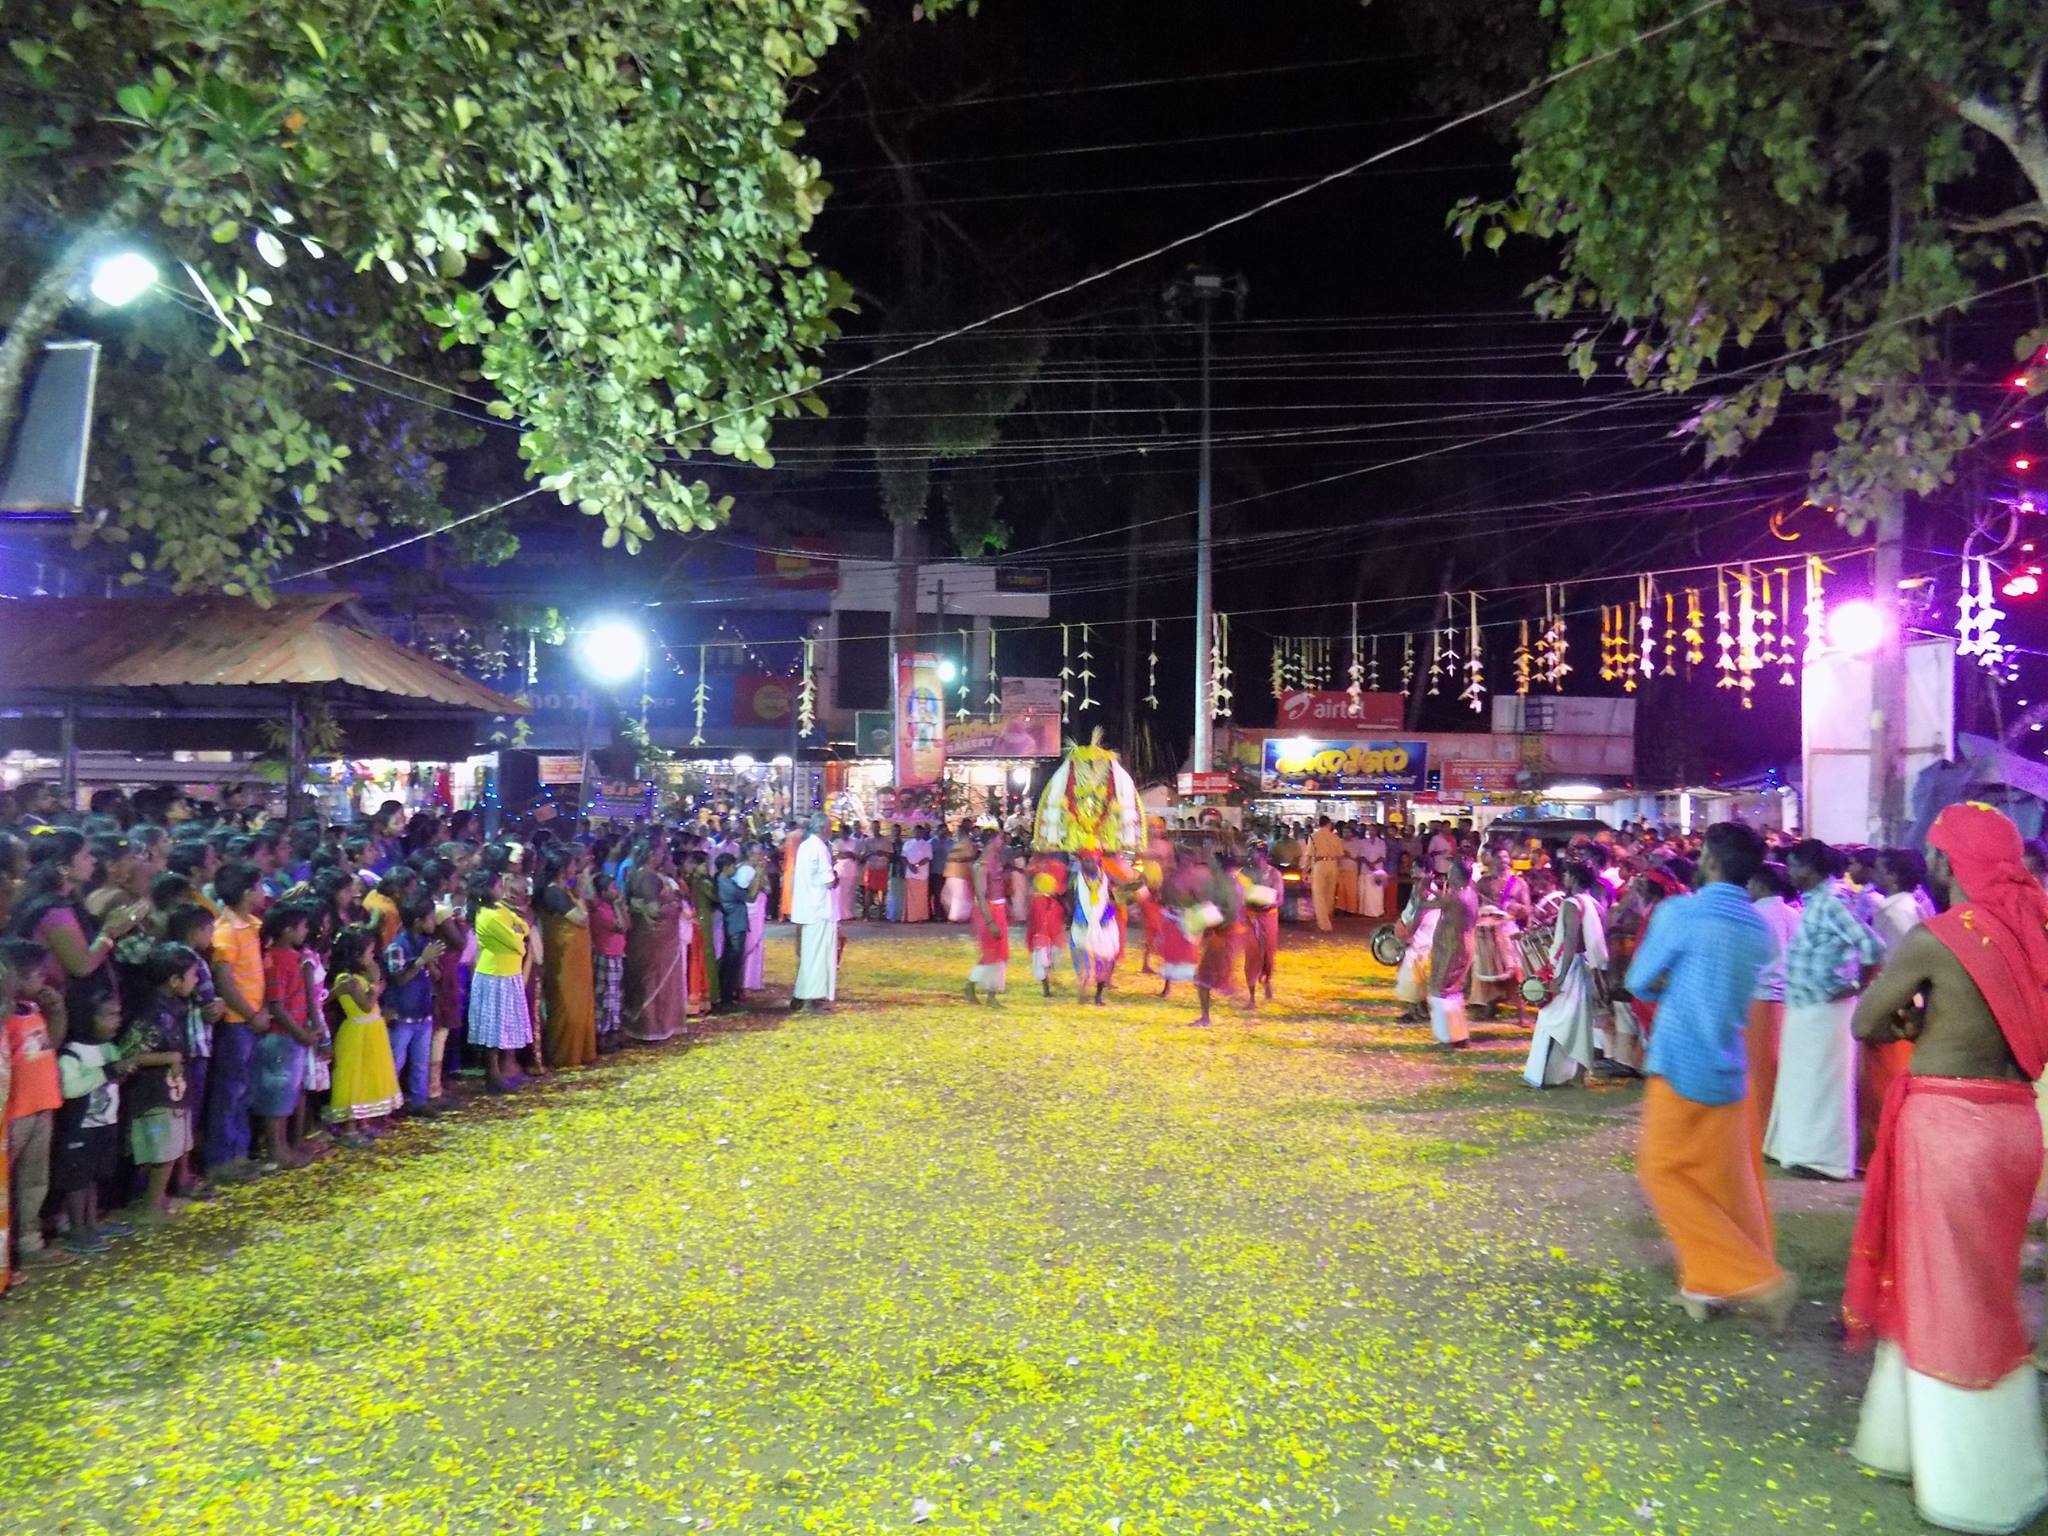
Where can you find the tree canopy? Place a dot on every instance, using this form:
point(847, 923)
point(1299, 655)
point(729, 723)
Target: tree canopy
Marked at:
point(587, 221)
point(1779, 199)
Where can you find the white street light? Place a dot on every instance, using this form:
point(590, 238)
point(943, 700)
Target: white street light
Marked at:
point(782, 760)
point(121, 277)
point(948, 670)
point(612, 652)
point(1021, 777)
point(742, 762)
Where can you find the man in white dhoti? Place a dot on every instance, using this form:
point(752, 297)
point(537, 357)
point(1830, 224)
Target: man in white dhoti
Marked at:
point(814, 908)
point(1563, 1046)
point(1411, 978)
point(1370, 850)
point(1813, 1106)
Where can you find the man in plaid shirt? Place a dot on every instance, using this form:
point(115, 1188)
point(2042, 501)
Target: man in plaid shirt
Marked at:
point(1813, 1111)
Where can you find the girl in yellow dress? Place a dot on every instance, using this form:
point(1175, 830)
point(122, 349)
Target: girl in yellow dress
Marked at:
point(365, 1088)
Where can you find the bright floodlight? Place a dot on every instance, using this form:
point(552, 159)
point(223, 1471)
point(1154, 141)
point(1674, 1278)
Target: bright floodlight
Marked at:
point(1856, 627)
point(612, 652)
point(1574, 792)
point(742, 762)
point(122, 277)
point(947, 670)
point(782, 760)
point(1020, 776)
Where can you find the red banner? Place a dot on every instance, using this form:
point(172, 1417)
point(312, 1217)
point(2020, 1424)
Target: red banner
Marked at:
point(759, 699)
point(920, 720)
point(1480, 776)
point(1332, 707)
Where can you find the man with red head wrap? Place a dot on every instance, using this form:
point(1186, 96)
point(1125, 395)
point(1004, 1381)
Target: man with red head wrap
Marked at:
point(1934, 1268)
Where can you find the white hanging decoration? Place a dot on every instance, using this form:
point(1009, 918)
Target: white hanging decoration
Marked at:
point(1746, 662)
point(1724, 634)
point(1276, 668)
point(992, 701)
point(1066, 677)
point(700, 698)
point(807, 692)
point(1977, 633)
point(1475, 657)
point(1219, 668)
point(1523, 659)
point(1695, 632)
point(1372, 666)
point(1356, 685)
point(1407, 663)
point(1646, 627)
point(1087, 674)
point(532, 657)
point(1816, 609)
point(1152, 670)
point(966, 655)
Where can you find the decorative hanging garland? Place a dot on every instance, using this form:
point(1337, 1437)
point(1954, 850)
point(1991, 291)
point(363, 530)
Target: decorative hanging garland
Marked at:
point(1785, 657)
point(966, 656)
point(1646, 624)
point(1219, 669)
point(1670, 633)
point(993, 699)
point(1766, 621)
point(1695, 633)
point(1745, 635)
point(1356, 686)
point(1724, 634)
point(1407, 663)
point(1276, 668)
point(807, 691)
point(1816, 608)
point(700, 698)
point(1087, 672)
point(1372, 667)
point(1475, 656)
point(1066, 677)
point(1522, 659)
point(1152, 670)
point(1560, 644)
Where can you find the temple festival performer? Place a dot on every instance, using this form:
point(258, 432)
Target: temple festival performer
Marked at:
point(1046, 916)
point(990, 920)
point(1450, 956)
point(1092, 935)
point(1222, 936)
point(1417, 929)
point(1182, 893)
point(1563, 1046)
point(1262, 888)
point(1934, 1267)
point(1697, 1160)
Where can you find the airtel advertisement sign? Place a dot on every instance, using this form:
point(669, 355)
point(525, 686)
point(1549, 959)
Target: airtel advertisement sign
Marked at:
point(1305, 707)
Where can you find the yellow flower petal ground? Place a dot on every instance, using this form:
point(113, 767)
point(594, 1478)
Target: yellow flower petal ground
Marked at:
point(1054, 1268)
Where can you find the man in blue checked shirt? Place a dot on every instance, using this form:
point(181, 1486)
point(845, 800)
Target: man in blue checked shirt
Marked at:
point(1697, 1162)
point(1813, 1111)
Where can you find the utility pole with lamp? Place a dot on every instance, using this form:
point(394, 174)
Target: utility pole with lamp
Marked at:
point(1204, 287)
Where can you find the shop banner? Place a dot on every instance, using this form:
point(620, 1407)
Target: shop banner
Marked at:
point(1302, 765)
point(1021, 735)
point(920, 720)
point(623, 800)
point(1031, 696)
point(1483, 776)
point(759, 698)
point(560, 770)
point(1332, 707)
point(1207, 783)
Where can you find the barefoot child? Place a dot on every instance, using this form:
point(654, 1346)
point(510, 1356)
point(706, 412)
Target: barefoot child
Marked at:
point(153, 1045)
point(365, 1079)
point(284, 1048)
point(88, 1146)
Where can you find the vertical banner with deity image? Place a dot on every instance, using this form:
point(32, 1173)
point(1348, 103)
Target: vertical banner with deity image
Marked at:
point(920, 720)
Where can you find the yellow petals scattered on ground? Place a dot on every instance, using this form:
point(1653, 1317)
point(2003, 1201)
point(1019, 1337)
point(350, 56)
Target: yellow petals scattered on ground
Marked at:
point(920, 1265)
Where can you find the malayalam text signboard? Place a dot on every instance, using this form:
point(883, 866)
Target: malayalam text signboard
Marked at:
point(1306, 765)
point(1480, 776)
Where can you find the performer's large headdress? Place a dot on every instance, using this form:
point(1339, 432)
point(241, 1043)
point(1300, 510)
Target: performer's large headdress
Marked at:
point(1090, 803)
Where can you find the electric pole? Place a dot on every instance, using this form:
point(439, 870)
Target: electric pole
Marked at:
point(1205, 287)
